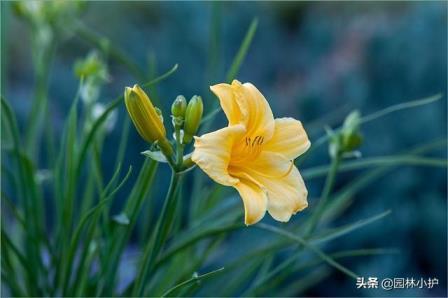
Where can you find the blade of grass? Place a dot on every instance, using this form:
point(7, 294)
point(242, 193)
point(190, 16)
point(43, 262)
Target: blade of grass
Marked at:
point(159, 236)
point(342, 198)
point(306, 282)
point(341, 231)
point(335, 255)
point(28, 202)
point(93, 213)
point(83, 263)
point(393, 160)
point(191, 238)
point(242, 52)
point(121, 234)
point(401, 106)
point(236, 63)
point(327, 259)
point(195, 278)
point(330, 235)
point(374, 116)
point(7, 243)
point(241, 278)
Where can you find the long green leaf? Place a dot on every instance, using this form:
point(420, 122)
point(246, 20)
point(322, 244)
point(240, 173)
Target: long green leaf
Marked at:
point(396, 160)
point(121, 234)
point(159, 236)
point(330, 235)
point(341, 231)
point(242, 52)
point(376, 115)
point(309, 246)
point(28, 195)
point(192, 238)
point(401, 106)
point(83, 263)
point(236, 63)
point(105, 197)
point(195, 278)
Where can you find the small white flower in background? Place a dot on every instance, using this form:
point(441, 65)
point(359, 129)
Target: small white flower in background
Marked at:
point(89, 92)
point(98, 110)
point(43, 175)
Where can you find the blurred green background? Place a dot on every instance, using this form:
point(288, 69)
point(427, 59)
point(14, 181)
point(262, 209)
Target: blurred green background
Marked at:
point(312, 60)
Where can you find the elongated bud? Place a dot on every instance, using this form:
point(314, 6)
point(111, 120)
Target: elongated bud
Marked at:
point(193, 117)
point(349, 138)
point(179, 107)
point(144, 115)
point(351, 135)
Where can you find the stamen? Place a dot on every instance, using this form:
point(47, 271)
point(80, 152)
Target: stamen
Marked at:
point(255, 140)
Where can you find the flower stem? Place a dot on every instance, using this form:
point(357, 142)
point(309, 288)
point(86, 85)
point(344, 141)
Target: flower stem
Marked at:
point(179, 150)
point(160, 234)
point(329, 182)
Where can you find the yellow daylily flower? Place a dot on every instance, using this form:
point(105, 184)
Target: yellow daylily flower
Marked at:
point(255, 153)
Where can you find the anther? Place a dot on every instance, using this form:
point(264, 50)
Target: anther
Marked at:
point(255, 140)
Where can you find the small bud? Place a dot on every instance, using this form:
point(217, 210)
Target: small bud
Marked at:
point(351, 136)
point(193, 117)
point(179, 107)
point(346, 140)
point(144, 115)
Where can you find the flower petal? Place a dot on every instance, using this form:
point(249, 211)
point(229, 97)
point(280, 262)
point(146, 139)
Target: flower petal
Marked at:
point(289, 139)
point(255, 109)
point(226, 97)
point(254, 199)
point(287, 195)
point(267, 164)
point(212, 152)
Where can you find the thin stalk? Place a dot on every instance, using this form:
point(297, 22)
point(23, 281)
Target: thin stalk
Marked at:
point(159, 236)
point(180, 150)
point(329, 182)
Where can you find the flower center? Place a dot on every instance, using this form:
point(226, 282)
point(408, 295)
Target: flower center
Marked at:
point(248, 149)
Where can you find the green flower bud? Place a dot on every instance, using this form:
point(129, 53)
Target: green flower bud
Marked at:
point(179, 107)
point(91, 67)
point(348, 138)
point(351, 136)
point(144, 115)
point(193, 117)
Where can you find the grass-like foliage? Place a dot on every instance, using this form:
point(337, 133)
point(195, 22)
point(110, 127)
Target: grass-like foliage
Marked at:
point(60, 238)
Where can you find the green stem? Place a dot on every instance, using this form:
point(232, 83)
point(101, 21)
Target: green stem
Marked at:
point(179, 149)
point(329, 182)
point(42, 56)
point(159, 236)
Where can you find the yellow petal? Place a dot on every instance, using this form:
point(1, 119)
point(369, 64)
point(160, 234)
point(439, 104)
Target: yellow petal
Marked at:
point(289, 139)
point(287, 195)
point(255, 110)
point(226, 97)
point(213, 150)
point(254, 199)
point(267, 164)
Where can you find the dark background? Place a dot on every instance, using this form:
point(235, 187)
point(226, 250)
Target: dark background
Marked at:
point(311, 60)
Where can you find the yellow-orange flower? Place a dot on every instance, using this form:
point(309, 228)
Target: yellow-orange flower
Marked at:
point(255, 154)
